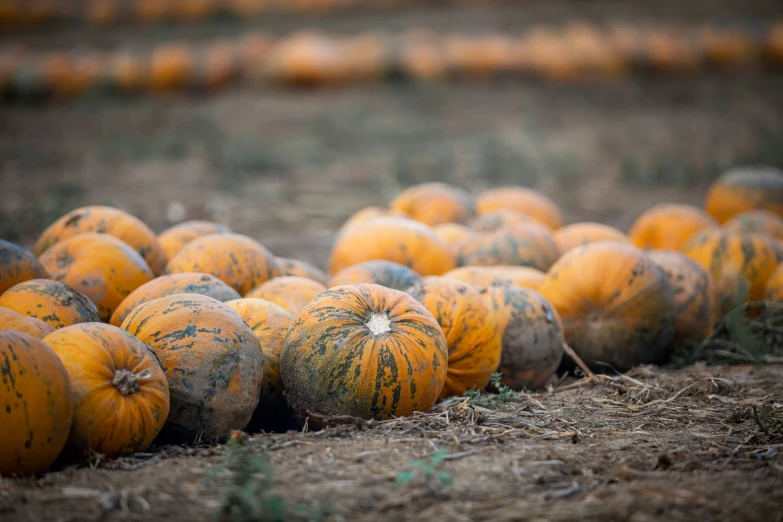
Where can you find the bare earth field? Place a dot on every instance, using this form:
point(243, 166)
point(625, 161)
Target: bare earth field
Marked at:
point(288, 167)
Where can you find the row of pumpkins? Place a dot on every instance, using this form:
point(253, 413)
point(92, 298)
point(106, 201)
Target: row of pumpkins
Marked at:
point(111, 336)
point(311, 58)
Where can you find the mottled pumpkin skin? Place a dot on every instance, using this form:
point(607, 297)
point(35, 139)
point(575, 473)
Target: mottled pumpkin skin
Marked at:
point(291, 293)
point(11, 320)
point(757, 222)
point(434, 204)
point(295, 267)
point(743, 189)
point(695, 295)
point(384, 273)
point(114, 414)
point(775, 285)
point(18, 265)
point(531, 336)
point(237, 260)
point(36, 405)
point(212, 360)
point(105, 220)
point(452, 234)
point(502, 218)
point(470, 330)
point(615, 304)
point(364, 215)
point(187, 283)
point(54, 303)
point(578, 234)
point(269, 323)
point(173, 239)
point(521, 199)
point(669, 226)
point(486, 276)
point(341, 357)
point(99, 266)
point(400, 240)
point(740, 264)
point(518, 245)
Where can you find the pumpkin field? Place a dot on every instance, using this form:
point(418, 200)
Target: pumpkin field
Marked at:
point(331, 260)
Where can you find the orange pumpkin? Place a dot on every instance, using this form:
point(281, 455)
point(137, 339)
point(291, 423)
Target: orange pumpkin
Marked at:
point(421, 56)
point(217, 66)
point(669, 226)
point(615, 304)
point(518, 245)
point(270, 323)
point(452, 234)
point(212, 360)
point(484, 276)
point(186, 283)
point(120, 393)
point(578, 234)
point(743, 189)
point(18, 265)
point(773, 44)
point(295, 267)
point(365, 56)
point(775, 285)
point(305, 58)
point(54, 303)
point(740, 264)
point(727, 47)
point(125, 71)
point(237, 260)
point(193, 10)
point(524, 200)
point(364, 215)
point(384, 273)
point(501, 218)
point(247, 8)
point(757, 222)
point(531, 336)
point(291, 293)
point(173, 239)
point(401, 240)
point(37, 406)
point(170, 67)
point(105, 220)
point(667, 50)
point(695, 295)
point(363, 350)
point(434, 204)
point(99, 266)
point(11, 320)
point(479, 57)
point(253, 50)
point(151, 10)
point(101, 12)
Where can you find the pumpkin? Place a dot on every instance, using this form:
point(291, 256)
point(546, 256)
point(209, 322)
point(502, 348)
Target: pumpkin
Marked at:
point(479, 57)
point(18, 265)
point(593, 51)
point(615, 304)
point(125, 71)
point(37, 406)
point(54, 303)
point(247, 8)
point(305, 58)
point(531, 336)
point(295, 267)
point(99, 266)
point(105, 220)
point(291, 293)
point(775, 285)
point(193, 10)
point(384, 273)
point(483, 276)
point(120, 393)
point(669, 226)
point(212, 360)
point(452, 234)
point(363, 350)
point(173, 239)
point(101, 12)
point(401, 240)
point(695, 295)
point(364, 215)
point(151, 10)
point(773, 44)
point(740, 264)
point(186, 283)
point(364, 56)
point(727, 47)
point(524, 200)
point(217, 66)
point(666, 50)
point(11, 320)
point(469, 326)
point(237, 260)
point(434, 204)
point(519, 245)
point(253, 50)
point(170, 67)
point(421, 56)
point(757, 222)
point(578, 234)
point(501, 218)
point(269, 323)
point(746, 188)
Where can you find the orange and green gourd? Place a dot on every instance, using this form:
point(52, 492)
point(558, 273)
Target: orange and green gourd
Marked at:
point(11, 320)
point(524, 200)
point(669, 226)
point(174, 239)
point(52, 302)
point(434, 204)
point(745, 188)
point(18, 265)
point(384, 273)
point(291, 293)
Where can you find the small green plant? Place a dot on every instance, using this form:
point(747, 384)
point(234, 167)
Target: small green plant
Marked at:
point(252, 496)
point(428, 471)
point(492, 400)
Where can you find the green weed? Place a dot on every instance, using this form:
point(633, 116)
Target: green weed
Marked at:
point(492, 400)
point(428, 471)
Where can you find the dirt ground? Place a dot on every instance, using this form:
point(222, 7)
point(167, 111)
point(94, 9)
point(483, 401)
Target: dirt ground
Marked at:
point(288, 167)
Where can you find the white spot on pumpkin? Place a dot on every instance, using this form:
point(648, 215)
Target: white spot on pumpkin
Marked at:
point(379, 324)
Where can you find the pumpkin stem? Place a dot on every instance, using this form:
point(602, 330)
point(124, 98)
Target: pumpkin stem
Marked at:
point(128, 382)
point(379, 324)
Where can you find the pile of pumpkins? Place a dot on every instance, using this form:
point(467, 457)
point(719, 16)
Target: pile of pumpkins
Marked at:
point(112, 337)
point(310, 58)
